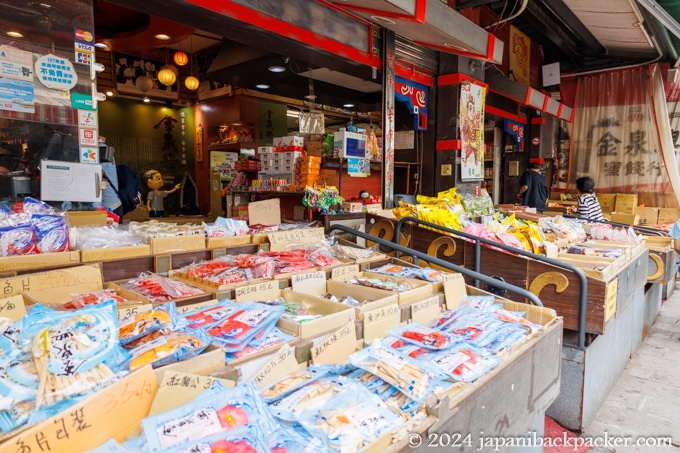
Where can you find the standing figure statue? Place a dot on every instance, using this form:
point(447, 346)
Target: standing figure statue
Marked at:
point(154, 199)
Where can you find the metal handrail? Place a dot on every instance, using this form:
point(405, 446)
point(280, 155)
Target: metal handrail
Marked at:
point(583, 296)
point(453, 267)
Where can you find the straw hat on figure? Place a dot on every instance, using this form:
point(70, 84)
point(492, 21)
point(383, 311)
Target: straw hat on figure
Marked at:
point(154, 199)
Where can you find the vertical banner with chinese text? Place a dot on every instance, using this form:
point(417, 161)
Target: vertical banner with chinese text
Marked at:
point(471, 131)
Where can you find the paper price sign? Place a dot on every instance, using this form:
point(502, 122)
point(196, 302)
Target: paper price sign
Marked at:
point(378, 321)
point(280, 239)
point(309, 282)
point(126, 312)
point(281, 363)
point(343, 272)
point(260, 291)
point(426, 310)
point(337, 345)
point(12, 307)
point(454, 289)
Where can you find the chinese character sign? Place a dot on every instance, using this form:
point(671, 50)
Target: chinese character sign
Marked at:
point(520, 51)
point(618, 140)
point(472, 131)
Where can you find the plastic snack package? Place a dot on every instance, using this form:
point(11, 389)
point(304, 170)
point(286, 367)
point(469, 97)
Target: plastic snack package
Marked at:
point(351, 421)
point(110, 446)
point(239, 440)
point(160, 348)
point(464, 362)
point(217, 410)
point(18, 240)
point(52, 234)
point(411, 377)
point(159, 288)
point(77, 353)
point(272, 338)
point(285, 439)
point(33, 206)
point(93, 298)
point(207, 317)
point(312, 396)
point(99, 237)
point(237, 329)
point(422, 336)
point(293, 381)
point(9, 336)
point(18, 379)
point(136, 326)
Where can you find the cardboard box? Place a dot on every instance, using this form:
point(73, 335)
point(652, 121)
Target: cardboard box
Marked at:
point(668, 216)
point(43, 260)
point(314, 149)
point(111, 413)
point(420, 289)
point(648, 216)
point(352, 207)
point(114, 253)
point(607, 201)
point(81, 218)
point(626, 202)
point(175, 244)
point(335, 315)
point(625, 218)
point(56, 284)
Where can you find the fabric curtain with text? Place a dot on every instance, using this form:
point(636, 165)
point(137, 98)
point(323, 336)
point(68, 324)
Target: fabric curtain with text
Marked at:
point(622, 136)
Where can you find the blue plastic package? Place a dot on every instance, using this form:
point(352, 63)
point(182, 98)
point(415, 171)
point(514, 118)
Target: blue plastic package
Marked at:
point(423, 336)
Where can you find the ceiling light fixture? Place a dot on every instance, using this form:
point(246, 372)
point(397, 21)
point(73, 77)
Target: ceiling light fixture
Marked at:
point(146, 99)
point(293, 113)
point(15, 34)
point(109, 93)
point(162, 37)
point(262, 86)
point(348, 106)
point(276, 69)
point(168, 73)
point(101, 45)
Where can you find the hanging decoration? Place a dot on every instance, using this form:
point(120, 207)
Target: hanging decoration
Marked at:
point(471, 128)
point(322, 199)
point(167, 76)
point(192, 83)
point(180, 58)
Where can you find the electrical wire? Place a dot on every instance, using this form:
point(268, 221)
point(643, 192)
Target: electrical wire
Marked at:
point(511, 16)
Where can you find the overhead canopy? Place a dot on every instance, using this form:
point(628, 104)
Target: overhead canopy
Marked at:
point(431, 23)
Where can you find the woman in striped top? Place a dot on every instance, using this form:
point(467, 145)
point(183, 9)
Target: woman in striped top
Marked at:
point(588, 206)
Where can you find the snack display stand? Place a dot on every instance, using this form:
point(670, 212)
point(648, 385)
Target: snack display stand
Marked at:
point(528, 376)
point(622, 299)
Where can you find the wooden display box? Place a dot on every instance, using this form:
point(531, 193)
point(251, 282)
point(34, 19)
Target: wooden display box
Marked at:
point(626, 202)
point(174, 244)
point(39, 261)
point(607, 201)
point(180, 301)
point(114, 253)
point(213, 287)
point(85, 218)
point(648, 216)
point(420, 289)
point(668, 216)
point(335, 315)
point(228, 241)
point(624, 217)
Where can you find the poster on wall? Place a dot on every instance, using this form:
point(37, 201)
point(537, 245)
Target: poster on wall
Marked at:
point(16, 64)
point(358, 167)
point(472, 131)
point(520, 51)
point(17, 96)
point(56, 72)
point(129, 68)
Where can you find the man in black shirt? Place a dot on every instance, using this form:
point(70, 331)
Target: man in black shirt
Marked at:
point(533, 191)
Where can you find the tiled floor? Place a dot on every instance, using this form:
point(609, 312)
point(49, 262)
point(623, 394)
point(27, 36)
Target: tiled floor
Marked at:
point(644, 406)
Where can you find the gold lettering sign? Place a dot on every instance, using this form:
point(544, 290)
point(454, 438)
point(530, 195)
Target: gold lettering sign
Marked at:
point(449, 250)
point(549, 278)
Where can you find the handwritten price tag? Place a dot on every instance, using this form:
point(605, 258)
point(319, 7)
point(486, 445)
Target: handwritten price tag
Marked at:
point(337, 345)
point(190, 307)
point(454, 289)
point(309, 282)
point(259, 291)
point(125, 312)
point(281, 363)
point(58, 279)
point(266, 212)
point(344, 272)
point(281, 239)
point(378, 321)
point(12, 307)
point(426, 310)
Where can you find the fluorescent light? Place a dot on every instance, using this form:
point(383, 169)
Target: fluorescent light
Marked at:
point(348, 106)
point(262, 86)
point(276, 69)
point(293, 113)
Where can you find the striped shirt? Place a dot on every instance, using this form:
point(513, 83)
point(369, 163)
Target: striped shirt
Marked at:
point(589, 207)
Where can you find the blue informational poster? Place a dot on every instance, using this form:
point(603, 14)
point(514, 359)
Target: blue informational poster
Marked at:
point(358, 167)
point(17, 95)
